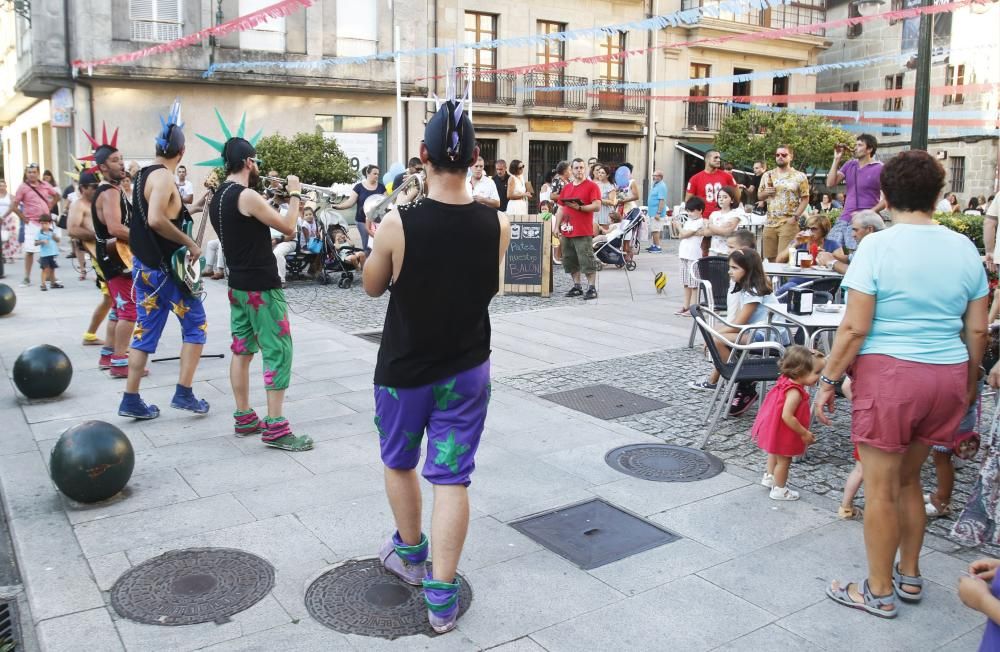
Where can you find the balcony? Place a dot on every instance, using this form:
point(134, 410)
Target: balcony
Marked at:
point(795, 14)
point(490, 87)
point(705, 116)
point(574, 99)
point(617, 99)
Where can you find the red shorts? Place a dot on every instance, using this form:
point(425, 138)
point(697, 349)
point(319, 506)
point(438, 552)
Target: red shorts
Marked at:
point(897, 402)
point(120, 289)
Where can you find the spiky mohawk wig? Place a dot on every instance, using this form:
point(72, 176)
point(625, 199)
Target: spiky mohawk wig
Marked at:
point(170, 140)
point(220, 146)
point(100, 150)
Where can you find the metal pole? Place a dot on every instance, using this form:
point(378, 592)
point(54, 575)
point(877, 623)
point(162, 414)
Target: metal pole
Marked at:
point(400, 145)
point(922, 96)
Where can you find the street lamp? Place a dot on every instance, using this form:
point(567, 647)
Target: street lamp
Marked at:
point(922, 90)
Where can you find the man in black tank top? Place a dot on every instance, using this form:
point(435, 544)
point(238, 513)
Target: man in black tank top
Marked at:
point(258, 314)
point(155, 234)
point(433, 364)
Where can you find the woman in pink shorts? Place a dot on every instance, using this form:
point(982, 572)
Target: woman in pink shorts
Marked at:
point(916, 316)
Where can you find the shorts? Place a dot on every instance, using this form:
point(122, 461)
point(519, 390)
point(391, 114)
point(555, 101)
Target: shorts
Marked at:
point(120, 288)
point(259, 322)
point(31, 231)
point(897, 402)
point(157, 295)
point(657, 224)
point(452, 411)
point(688, 277)
point(841, 234)
point(578, 254)
point(47, 262)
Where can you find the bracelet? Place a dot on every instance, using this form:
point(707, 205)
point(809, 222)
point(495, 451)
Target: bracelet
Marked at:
point(830, 381)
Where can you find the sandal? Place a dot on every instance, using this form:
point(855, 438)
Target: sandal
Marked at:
point(290, 443)
point(899, 581)
point(933, 511)
point(871, 603)
point(845, 512)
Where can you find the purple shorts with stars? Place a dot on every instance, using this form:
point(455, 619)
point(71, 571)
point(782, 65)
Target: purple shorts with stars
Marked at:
point(156, 296)
point(452, 411)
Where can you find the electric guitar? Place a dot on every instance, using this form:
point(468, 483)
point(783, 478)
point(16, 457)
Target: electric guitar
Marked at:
point(187, 273)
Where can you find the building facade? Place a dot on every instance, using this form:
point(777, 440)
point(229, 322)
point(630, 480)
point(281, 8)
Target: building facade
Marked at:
point(356, 103)
point(965, 52)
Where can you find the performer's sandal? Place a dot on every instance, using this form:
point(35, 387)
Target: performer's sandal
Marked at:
point(870, 602)
point(291, 443)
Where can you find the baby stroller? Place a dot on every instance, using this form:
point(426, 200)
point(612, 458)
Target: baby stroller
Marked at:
point(332, 263)
point(622, 240)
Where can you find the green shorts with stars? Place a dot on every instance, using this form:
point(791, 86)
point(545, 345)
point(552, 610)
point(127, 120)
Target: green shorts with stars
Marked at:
point(259, 322)
point(453, 413)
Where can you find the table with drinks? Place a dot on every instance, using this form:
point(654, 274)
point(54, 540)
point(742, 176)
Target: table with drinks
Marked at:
point(784, 270)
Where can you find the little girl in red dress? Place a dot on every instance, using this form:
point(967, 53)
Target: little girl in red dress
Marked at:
point(782, 424)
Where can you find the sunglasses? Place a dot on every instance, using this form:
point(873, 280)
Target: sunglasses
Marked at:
point(776, 155)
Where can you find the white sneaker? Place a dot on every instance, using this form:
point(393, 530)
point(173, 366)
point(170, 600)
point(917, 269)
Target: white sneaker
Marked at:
point(767, 480)
point(783, 493)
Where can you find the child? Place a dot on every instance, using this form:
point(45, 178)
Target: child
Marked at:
point(689, 251)
point(965, 445)
point(48, 241)
point(979, 589)
point(854, 479)
point(781, 426)
point(351, 256)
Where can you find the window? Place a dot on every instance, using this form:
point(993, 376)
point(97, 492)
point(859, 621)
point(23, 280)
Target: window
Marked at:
point(854, 31)
point(892, 82)
point(363, 139)
point(357, 28)
point(911, 27)
point(480, 28)
point(156, 20)
point(613, 69)
point(779, 86)
point(611, 155)
point(700, 71)
point(954, 76)
point(958, 174)
point(851, 87)
point(267, 37)
point(488, 150)
point(697, 112)
point(551, 51)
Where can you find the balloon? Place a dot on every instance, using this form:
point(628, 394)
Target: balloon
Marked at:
point(622, 176)
point(395, 169)
point(388, 177)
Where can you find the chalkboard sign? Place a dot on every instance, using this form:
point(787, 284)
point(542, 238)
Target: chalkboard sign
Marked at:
point(527, 267)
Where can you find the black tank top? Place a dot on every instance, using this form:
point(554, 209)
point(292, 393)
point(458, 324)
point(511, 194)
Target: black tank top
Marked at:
point(147, 245)
point(246, 242)
point(438, 321)
point(109, 265)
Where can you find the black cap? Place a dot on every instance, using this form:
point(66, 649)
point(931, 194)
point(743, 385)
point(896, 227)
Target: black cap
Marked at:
point(87, 179)
point(450, 137)
point(236, 150)
point(102, 153)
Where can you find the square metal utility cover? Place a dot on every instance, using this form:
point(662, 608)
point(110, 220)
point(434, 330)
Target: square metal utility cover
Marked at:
point(593, 533)
point(375, 336)
point(605, 401)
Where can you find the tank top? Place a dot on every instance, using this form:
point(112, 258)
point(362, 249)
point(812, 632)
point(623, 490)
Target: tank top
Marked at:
point(363, 194)
point(152, 249)
point(438, 321)
point(108, 263)
point(246, 242)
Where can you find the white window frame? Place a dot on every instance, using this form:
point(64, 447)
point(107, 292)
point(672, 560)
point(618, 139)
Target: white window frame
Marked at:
point(158, 28)
point(266, 37)
point(355, 39)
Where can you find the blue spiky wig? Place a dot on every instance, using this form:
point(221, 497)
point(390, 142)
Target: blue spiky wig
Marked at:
point(450, 137)
point(170, 139)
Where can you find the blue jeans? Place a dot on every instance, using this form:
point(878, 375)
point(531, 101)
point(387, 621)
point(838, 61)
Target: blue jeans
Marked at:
point(841, 234)
point(363, 232)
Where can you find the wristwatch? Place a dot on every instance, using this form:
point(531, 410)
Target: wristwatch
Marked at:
point(831, 382)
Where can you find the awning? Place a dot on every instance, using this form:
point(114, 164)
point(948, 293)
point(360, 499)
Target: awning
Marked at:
point(697, 150)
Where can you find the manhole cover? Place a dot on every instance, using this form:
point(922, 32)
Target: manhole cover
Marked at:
point(8, 623)
point(593, 533)
point(664, 462)
point(605, 401)
point(361, 597)
point(197, 585)
point(375, 336)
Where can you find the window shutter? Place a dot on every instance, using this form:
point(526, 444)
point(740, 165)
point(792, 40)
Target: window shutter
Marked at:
point(141, 9)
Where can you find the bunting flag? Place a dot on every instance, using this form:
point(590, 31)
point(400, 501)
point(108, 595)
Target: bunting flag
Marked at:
point(983, 119)
point(242, 23)
point(901, 14)
point(675, 19)
point(836, 96)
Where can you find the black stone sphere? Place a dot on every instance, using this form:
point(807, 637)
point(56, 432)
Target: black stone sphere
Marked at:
point(42, 371)
point(92, 461)
point(7, 299)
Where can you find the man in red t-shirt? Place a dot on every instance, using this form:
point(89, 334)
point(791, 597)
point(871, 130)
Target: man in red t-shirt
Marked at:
point(707, 184)
point(578, 202)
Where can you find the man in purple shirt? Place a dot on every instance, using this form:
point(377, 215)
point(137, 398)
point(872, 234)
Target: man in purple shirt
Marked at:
point(861, 174)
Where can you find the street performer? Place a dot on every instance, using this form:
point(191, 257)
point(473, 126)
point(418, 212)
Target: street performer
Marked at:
point(80, 225)
point(433, 368)
point(110, 216)
point(155, 233)
point(258, 312)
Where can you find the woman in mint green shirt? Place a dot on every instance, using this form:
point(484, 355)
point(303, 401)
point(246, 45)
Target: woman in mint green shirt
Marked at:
point(912, 339)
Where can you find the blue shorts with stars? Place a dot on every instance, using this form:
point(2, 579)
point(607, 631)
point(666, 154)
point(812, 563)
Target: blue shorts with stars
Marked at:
point(452, 411)
point(156, 296)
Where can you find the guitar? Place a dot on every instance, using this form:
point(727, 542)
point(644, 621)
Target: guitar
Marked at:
point(188, 273)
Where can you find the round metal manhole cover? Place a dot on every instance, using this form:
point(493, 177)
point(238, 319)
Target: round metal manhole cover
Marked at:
point(361, 597)
point(197, 585)
point(664, 462)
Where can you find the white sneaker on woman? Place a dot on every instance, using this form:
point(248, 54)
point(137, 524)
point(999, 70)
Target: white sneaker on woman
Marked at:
point(783, 493)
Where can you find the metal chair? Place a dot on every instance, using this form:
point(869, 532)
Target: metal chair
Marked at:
point(713, 272)
point(742, 365)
